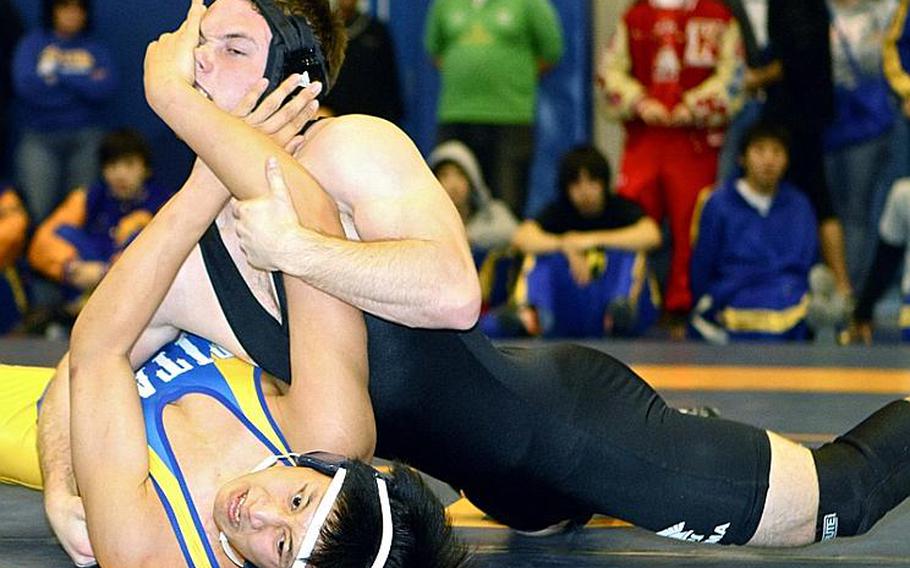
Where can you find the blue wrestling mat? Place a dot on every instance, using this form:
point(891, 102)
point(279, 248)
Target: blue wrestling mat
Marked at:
point(807, 392)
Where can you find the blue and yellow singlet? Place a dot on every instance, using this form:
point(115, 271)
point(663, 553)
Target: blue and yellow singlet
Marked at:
point(192, 365)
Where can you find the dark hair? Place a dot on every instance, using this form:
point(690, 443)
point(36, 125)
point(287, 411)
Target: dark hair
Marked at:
point(422, 536)
point(122, 143)
point(47, 14)
point(327, 25)
point(765, 131)
point(578, 159)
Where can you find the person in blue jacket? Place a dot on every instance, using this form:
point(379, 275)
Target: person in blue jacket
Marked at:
point(755, 245)
point(62, 77)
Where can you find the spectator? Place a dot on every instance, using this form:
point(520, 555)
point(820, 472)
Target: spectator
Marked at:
point(669, 74)
point(77, 243)
point(788, 81)
point(490, 54)
point(10, 32)
point(858, 156)
point(13, 224)
point(489, 222)
point(755, 244)
point(578, 232)
point(368, 81)
point(62, 78)
point(893, 238)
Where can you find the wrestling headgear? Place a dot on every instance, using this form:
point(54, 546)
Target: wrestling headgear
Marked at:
point(294, 49)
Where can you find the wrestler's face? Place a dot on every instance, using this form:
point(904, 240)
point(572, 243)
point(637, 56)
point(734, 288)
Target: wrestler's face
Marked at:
point(126, 176)
point(265, 515)
point(233, 50)
point(764, 163)
point(587, 194)
point(456, 183)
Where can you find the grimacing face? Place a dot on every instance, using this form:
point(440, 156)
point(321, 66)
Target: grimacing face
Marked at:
point(232, 53)
point(265, 514)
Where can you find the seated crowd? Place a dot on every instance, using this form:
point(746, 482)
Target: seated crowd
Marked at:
point(578, 269)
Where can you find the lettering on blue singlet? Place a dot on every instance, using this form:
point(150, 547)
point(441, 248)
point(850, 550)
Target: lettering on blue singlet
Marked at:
point(169, 365)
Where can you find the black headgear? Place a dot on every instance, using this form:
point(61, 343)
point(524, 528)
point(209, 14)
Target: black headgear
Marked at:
point(294, 49)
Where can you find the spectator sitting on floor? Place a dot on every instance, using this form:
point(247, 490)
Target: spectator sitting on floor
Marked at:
point(570, 237)
point(489, 222)
point(755, 245)
point(77, 243)
point(13, 225)
point(586, 216)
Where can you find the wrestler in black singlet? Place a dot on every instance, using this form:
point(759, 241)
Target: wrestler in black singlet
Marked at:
point(534, 436)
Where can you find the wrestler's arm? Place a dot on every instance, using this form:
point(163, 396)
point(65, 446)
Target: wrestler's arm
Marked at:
point(329, 369)
point(62, 502)
point(328, 404)
point(412, 265)
point(109, 446)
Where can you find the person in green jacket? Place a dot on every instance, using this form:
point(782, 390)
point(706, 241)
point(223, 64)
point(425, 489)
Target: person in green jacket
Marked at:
point(490, 54)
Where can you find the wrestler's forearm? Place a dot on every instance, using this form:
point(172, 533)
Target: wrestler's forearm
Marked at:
point(418, 283)
point(237, 152)
point(54, 453)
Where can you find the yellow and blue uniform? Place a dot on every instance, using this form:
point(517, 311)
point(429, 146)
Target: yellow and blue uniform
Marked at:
point(188, 365)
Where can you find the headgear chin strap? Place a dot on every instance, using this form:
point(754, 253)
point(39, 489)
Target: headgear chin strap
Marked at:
point(321, 515)
point(294, 49)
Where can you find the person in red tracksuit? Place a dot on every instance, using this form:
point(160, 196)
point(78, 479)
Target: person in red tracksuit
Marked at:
point(672, 74)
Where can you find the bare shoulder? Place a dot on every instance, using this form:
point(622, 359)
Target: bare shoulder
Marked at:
point(357, 151)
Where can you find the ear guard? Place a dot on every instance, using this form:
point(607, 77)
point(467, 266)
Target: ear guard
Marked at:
point(294, 49)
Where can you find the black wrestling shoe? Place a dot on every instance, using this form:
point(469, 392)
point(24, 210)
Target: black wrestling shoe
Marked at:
point(701, 411)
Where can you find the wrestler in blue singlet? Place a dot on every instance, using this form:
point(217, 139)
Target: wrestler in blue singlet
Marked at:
point(192, 365)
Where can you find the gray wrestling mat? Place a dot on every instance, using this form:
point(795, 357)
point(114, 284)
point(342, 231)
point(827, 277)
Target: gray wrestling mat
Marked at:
point(811, 414)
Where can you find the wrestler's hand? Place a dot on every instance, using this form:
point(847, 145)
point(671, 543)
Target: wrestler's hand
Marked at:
point(67, 518)
point(170, 60)
point(265, 224)
point(282, 123)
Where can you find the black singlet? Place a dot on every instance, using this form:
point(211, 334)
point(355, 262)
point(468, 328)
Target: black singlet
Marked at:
point(535, 436)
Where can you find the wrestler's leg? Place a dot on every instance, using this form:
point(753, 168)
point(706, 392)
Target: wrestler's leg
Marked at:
point(791, 505)
point(20, 390)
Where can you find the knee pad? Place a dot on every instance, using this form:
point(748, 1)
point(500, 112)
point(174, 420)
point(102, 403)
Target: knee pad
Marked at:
point(864, 473)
